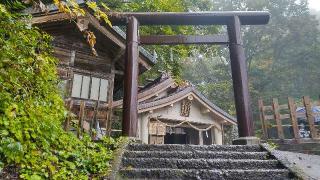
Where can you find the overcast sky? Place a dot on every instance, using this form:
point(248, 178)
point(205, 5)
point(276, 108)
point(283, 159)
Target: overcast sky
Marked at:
point(314, 4)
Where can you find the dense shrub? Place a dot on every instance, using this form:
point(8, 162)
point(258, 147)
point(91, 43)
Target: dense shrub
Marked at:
point(31, 110)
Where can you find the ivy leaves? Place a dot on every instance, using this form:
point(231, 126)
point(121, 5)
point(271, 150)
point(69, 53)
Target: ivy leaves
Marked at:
point(31, 111)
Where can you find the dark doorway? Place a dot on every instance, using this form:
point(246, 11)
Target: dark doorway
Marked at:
point(175, 139)
point(181, 135)
point(207, 138)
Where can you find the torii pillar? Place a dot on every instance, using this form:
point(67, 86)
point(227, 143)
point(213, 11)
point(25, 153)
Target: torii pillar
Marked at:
point(240, 85)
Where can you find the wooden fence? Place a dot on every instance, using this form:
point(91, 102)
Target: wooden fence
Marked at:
point(84, 115)
point(289, 122)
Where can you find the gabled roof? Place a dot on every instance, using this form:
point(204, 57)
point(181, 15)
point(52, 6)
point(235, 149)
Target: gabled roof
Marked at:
point(54, 16)
point(150, 90)
point(148, 100)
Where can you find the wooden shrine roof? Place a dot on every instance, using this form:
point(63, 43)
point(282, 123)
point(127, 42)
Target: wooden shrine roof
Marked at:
point(111, 39)
point(148, 100)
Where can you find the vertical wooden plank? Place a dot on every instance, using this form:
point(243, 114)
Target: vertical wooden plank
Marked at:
point(110, 101)
point(275, 105)
point(293, 116)
point(222, 132)
point(95, 118)
point(200, 138)
point(309, 114)
point(69, 83)
point(213, 137)
point(68, 119)
point(72, 58)
point(81, 118)
point(263, 120)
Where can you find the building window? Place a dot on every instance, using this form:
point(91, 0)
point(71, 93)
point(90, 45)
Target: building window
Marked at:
point(86, 87)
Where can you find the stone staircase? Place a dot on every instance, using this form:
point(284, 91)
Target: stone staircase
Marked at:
point(200, 162)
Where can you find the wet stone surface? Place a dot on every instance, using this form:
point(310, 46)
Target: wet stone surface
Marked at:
point(200, 162)
point(307, 166)
point(196, 154)
point(176, 147)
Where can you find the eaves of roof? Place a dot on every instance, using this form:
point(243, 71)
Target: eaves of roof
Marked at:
point(52, 8)
point(143, 107)
point(150, 91)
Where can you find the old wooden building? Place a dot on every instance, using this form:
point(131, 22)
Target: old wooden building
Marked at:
point(89, 82)
point(178, 114)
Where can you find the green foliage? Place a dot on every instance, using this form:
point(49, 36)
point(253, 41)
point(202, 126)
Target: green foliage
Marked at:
point(14, 5)
point(31, 110)
point(283, 56)
point(164, 63)
point(170, 58)
point(212, 77)
point(272, 145)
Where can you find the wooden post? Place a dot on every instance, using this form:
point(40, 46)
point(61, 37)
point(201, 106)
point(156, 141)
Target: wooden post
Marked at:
point(110, 101)
point(213, 137)
point(222, 133)
point(69, 83)
point(293, 116)
point(200, 138)
point(309, 114)
point(276, 111)
point(95, 118)
point(67, 121)
point(263, 120)
point(240, 79)
point(130, 98)
point(81, 118)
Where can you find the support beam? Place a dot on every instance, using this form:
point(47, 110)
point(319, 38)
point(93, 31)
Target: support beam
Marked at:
point(276, 111)
point(293, 117)
point(217, 136)
point(200, 138)
point(263, 120)
point(130, 104)
point(219, 39)
point(240, 79)
point(191, 18)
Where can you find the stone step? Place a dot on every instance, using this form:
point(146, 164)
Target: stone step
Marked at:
point(197, 154)
point(176, 163)
point(235, 174)
point(180, 147)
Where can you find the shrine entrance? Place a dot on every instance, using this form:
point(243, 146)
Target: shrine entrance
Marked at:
point(233, 21)
point(176, 138)
point(185, 135)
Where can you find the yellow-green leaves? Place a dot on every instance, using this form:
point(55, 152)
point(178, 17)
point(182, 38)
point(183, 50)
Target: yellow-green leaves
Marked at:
point(2, 9)
point(98, 13)
point(11, 111)
point(91, 40)
point(70, 7)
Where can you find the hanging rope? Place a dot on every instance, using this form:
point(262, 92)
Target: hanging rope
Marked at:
point(194, 127)
point(183, 122)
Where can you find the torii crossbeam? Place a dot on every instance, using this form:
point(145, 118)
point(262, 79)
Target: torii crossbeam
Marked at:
point(233, 21)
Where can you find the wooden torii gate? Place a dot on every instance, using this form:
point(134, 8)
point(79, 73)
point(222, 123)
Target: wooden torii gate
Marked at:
point(233, 21)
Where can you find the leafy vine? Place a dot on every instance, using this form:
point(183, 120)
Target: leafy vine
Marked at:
point(32, 111)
